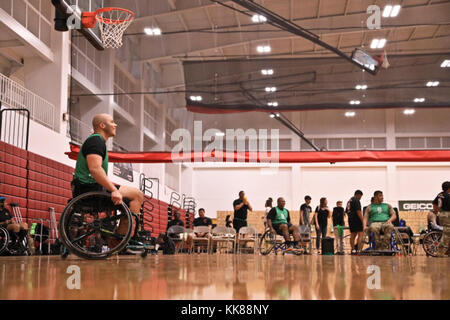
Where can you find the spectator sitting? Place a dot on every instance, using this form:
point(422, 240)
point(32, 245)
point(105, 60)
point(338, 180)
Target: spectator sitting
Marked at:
point(202, 220)
point(176, 221)
point(18, 231)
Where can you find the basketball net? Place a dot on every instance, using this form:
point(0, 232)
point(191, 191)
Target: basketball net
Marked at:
point(112, 22)
point(383, 60)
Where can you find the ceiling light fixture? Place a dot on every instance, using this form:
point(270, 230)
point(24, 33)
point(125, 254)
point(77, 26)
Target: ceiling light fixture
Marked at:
point(417, 100)
point(263, 49)
point(267, 72)
point(355, 102)
point(271, 89)
point(378, 43)
point(361, 87)
point(432, 83)
point(445, 64)
point(272, 104)
point(349, 114)
point(409, 111)
point(257, 18)
point(196, 98)
point(152, 31)
point(391, 11)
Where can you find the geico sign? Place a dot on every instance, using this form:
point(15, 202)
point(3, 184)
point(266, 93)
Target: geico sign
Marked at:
point(417, 206)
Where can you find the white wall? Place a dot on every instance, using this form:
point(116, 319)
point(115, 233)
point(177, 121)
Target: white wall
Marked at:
point(215, 188)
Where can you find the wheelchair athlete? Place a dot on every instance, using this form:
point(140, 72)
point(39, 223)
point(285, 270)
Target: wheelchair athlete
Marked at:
point(278, 220)
point(18, 231)
point(380, 216)
point(91, 171)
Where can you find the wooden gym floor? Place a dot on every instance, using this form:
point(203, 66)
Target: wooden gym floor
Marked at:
point(220, 277)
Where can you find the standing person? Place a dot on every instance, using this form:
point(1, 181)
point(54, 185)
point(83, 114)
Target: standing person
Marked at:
point(321, 216)
point(355, 221)
point(443, 200)
point(305, 210)
point(241, 207)
point(433, 218)
point(338, 225)
point(268, 206)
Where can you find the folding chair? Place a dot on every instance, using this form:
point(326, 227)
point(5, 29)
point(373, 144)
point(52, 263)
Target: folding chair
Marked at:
point(246, 235)
point(221, 235)
point(204, 241)
point(176, 234)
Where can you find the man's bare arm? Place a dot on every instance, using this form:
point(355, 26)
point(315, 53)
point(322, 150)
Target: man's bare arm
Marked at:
point(94, 162)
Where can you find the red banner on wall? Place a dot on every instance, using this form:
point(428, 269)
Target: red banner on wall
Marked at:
point(280, 157)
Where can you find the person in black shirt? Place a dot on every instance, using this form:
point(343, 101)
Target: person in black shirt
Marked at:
point(202, 221)
point(91, 170)
point(355, 221)
point(17, 230)
point(176, 221)
point(338, 224)
point(241, 206)
point(443, 201)
point(321, 216)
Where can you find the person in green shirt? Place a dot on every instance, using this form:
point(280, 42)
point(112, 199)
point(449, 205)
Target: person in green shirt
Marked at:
point(279, 221)
point(379, 216)
point(91, 170)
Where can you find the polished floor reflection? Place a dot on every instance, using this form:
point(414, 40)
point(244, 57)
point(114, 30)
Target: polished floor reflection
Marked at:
point(226, 277)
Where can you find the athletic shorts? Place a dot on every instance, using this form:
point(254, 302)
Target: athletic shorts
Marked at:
point(80, 188)
point(276, 227)
point(355, 224)
point(237, 224)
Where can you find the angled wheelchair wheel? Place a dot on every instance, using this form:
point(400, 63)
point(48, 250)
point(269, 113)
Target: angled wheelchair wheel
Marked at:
point(267, 243)
point(431, 243)
point(92, 227)
point(4, 239)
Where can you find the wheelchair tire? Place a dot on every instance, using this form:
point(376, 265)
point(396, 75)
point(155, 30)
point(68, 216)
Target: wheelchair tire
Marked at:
point(267, 243)
point(431, 242)
point(4, 239)
point(96, 201)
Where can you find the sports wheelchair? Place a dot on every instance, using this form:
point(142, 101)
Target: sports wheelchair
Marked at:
point(7, 247)
point(430, 243)
point(89, 227)
point(269, 243)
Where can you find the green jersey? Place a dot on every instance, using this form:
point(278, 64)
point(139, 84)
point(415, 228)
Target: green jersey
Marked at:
point(94, 144)
point(379, 212)
point(279, 216)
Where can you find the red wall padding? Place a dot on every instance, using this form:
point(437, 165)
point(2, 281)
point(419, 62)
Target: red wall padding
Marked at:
point(49, 186)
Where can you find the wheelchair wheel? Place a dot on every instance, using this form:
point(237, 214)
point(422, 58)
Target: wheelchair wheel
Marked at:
point(89, 226)
point(267, 243)
point(431, 243)
point(4, 239)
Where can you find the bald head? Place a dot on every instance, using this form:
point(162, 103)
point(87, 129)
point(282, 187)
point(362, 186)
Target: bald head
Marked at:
point(104, 124)
point(99, 119)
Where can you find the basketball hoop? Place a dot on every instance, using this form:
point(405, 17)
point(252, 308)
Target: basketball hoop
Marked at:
point(113, 23)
